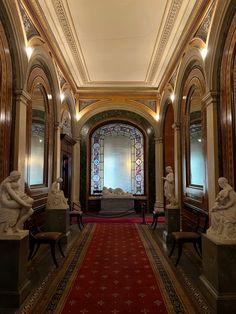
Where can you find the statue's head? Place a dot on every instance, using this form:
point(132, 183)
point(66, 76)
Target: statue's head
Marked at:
point(222, 182)
point(15, 175)
point(169, 169)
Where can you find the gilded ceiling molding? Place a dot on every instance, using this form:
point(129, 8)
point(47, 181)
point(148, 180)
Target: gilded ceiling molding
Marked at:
point(65, 25)
point(202, 31)
point(171, 18)
point(39, 19)
point(30, 29)
point(150, 103)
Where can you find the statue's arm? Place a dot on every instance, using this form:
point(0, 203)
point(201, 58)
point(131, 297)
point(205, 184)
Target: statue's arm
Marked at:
point(15, 196)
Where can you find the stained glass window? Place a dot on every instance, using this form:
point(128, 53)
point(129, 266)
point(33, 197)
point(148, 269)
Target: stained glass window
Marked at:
point(98, 160)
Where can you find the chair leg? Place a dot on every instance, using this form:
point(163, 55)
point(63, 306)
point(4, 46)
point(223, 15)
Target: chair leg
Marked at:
point(52, 245)
point(31, 247)
point(78, 222)
point(153, 220)
point(173, 247)
point(60, 248)
point(81, 221)
point(35, 252)
point(196, 249)
point(180, 246)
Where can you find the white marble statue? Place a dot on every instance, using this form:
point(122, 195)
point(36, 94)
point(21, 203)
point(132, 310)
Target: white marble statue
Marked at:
point(56, 198)
point(15, 205)
point(169, 187)
point(115, 193)
point(223, 213)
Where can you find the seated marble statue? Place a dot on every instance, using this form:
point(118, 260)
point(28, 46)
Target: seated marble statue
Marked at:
point(169, 187)
point(115, 193)
point(223, 213)
point(56, 198)
point(15, 205)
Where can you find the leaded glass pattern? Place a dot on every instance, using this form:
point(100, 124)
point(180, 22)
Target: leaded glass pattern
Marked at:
point(137, 155)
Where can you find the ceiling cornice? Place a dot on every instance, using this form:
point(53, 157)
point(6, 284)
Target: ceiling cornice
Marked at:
point(37, 16)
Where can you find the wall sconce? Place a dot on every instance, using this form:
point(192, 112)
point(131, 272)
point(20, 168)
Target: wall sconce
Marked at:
point(204, 52)
point(157, 117)
point(29, 51)
point(172, 97)
point(77, 116)
point(62, 96)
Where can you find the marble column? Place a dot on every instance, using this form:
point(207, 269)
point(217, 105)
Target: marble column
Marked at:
point(159, 203)
point(210, 102)
point(20, 136)
point(178, 170)
point(57, 149)
point(75, 186)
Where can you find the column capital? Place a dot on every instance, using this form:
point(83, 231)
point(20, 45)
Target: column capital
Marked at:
point(176, 126)
point(158, 140)
point(58, 126)
point(22, 96)
point(212, 97)
point(77, 139)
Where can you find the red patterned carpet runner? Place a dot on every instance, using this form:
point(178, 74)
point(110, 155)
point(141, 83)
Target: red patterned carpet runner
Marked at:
point(116, 275)
point(112, 268)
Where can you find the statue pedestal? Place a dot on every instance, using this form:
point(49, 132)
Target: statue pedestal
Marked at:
point(219, 275)
point(58, 220)
point(14, 284)
point(172, 222)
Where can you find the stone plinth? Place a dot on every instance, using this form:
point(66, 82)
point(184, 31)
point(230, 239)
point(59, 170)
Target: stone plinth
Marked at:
point(172, 222)
point(14, 284)
point(219, 275)
point(58, 220)
point(116, 205)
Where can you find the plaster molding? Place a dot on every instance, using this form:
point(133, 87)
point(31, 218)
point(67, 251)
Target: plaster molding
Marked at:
point(22, 96)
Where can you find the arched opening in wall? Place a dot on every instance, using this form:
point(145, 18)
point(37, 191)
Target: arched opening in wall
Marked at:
point(117, 158)
point(168, 134)
point(92, 202)
point(228, 105)
point(67, 143)
point(193, 150)
point(40, 128)
point(5, 104)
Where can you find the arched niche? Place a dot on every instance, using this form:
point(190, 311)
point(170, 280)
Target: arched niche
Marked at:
point(5, 104)
point(40, 136)
point(124, 117)
point(193, 151)
point(168, 135)
point(67, 121)
point(227, 87)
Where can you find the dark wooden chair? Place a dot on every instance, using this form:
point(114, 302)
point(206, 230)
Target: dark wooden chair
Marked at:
point(75, 212)
point(194, 237)
point(156, 215)
point(38, 237)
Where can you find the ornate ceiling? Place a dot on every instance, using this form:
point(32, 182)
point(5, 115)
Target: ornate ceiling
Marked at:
point(117, 43)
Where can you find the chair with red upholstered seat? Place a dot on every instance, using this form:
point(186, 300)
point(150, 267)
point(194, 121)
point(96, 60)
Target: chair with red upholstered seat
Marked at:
point(38, 237)
point(194, 237)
